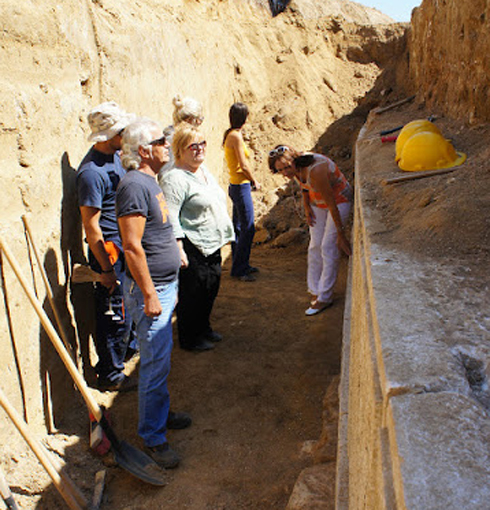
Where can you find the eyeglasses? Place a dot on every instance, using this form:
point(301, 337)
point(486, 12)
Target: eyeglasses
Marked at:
point(279, 151)
point(196, 146)
point(159, 141)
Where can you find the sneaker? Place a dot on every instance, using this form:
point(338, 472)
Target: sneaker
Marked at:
point(123, 385)
point(164, 456)
point(318, 307)
point(178, 421)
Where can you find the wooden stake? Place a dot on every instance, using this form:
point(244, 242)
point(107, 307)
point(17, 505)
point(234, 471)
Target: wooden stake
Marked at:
point(379, 111)
point(418, 175)
point(49, 291)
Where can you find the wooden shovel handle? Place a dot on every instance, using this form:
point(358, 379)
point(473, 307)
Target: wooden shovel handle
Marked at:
point(70, 493)
point(53, 335)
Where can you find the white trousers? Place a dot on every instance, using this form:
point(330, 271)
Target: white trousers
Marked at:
point(323, 253)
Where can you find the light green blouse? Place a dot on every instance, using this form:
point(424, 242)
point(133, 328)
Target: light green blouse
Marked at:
point(197, 209)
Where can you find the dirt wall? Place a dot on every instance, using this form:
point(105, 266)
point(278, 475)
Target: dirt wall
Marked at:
point(297, 74)
point(450, 57)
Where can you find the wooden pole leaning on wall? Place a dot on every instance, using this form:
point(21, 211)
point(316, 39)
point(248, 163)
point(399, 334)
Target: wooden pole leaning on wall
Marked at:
point(67, 489)
point(49, 290)
point(53, 335)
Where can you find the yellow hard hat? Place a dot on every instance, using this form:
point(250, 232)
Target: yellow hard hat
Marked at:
point(416, 126)
point(429, 151)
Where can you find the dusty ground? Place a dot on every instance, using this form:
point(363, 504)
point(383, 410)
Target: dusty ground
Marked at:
point(255, 400)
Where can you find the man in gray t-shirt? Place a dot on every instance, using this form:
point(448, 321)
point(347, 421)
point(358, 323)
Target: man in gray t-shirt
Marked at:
point(153, 259)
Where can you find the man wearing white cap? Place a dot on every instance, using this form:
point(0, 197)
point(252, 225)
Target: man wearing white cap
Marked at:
point(98, 176)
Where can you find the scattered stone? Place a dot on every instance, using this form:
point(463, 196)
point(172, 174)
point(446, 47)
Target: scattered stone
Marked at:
point(292, 236)
point(314, 489)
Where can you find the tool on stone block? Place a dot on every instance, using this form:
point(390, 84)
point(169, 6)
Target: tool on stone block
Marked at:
point(127, 456)
point(379, 111)
point(384, 132)
point(67, 489)
point(7, 497)
point(385, 139)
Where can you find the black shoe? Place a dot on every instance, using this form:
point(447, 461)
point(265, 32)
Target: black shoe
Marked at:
point(214, 337)
point(164, 456)
point(178, 421)
point(124, 384)
point(252, 269)
point(246, 278)
point(203, 345)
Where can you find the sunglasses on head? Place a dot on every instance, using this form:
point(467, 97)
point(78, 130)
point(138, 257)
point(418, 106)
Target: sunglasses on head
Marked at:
point(159, 141)
point(279, 151)
point(197, 145)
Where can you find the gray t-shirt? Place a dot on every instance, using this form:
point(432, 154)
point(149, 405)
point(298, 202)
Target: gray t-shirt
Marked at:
point(139, 193)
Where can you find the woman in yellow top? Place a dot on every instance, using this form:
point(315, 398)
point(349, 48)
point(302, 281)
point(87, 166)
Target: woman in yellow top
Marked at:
point(242, 183)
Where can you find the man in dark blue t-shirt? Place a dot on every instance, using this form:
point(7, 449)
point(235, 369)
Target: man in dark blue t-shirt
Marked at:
point(98, 177)
point(153, 259)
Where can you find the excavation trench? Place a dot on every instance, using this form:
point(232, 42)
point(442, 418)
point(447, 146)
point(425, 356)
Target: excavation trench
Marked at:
point(256, 402)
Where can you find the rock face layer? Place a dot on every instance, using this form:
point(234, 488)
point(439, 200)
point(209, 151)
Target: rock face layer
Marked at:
point(449, 57)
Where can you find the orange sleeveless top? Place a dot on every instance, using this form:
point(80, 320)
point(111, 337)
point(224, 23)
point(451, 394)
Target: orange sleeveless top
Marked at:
point(342, 190)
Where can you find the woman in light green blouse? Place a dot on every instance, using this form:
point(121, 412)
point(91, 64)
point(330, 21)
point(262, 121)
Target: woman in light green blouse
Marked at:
point(198, 213)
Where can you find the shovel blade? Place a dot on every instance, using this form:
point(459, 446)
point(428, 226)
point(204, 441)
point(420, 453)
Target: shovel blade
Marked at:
point(139, 464)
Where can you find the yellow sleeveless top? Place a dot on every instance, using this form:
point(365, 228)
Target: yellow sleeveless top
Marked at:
point(236, 174)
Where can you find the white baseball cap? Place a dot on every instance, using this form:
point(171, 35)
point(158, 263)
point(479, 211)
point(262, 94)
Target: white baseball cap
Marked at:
point(107, 120)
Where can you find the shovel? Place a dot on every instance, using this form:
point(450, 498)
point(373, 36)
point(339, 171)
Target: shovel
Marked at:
point(67, 489)
point(7, 497)
point(128, 457)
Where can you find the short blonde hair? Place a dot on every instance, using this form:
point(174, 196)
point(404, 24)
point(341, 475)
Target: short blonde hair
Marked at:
point(187, 110)
point(184, 135)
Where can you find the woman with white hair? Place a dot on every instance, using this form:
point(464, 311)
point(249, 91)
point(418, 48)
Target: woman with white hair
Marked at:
point(197, 209)
point(187, 110)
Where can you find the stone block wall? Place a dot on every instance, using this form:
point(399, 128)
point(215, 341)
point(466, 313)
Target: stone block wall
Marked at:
point(414, 423)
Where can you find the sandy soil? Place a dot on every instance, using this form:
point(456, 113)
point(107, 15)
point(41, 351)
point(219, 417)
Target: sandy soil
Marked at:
point(255, 400)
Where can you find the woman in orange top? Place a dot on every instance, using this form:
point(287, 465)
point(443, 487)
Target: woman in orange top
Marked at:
point(242, 183)
point(327, 198)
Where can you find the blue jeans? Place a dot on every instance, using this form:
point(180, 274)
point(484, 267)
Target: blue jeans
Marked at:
point(112, 332)
point(154, 335)
point(243, 222)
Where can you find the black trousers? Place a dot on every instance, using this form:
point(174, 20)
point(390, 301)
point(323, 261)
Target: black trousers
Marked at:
point(198, 288)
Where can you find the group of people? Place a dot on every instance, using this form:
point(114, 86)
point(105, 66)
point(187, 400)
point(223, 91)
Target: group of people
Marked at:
point(155, 220)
